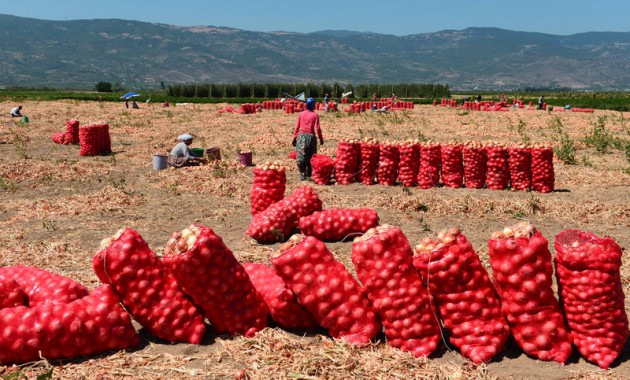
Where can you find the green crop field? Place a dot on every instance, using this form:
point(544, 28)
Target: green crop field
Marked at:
point(419, 94)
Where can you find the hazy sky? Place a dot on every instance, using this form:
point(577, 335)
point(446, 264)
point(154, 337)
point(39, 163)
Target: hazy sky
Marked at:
point(399, 17)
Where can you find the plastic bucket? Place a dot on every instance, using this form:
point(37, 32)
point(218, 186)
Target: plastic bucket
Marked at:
point(245, 158)
point(159, 162)
point(213, 153)
point(25, 119)
point(197, 152)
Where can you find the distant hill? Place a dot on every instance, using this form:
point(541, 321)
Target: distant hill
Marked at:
point(78, 54)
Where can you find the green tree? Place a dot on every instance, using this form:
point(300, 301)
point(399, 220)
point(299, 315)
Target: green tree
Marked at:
point(103, 87)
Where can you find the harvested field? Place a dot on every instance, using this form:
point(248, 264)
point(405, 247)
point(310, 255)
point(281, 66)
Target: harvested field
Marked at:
point(57, 207)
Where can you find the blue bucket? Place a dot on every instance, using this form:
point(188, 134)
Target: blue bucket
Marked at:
point(159, 162)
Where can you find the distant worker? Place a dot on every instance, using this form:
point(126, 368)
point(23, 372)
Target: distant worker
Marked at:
point(181, 155)
point(307, 131)
point(376, 109)
point(326, 102)
point(394, 98)
point(478, 100)
point(134, 105)
point(165, 104)
point(16, 111)
point(541, 102)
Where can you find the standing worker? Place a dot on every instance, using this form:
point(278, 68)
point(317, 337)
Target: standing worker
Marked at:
point(305, 139)
point(541, 101)
point(326, 102)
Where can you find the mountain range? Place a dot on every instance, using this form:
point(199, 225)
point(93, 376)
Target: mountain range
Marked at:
point(80, 53)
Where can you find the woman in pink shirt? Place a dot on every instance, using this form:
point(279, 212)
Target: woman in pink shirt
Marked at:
point(305, 138)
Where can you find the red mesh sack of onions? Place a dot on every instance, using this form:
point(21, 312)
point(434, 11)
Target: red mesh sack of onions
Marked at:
point(368, 162)
point(208, 272)
point(268, 186)
point(337, 224)
point(278, 221)
point(522, 275)
point(93, 324)
point(94, 139)
point(430, 164)
point(41, 286)
point(323, 167)
point(280, 300)
point(347, 161)
point(59, 138)
point(543, 178)
point(409, 152)
point(383, 260)
point(452, 165)
point(468, 304)
point(72, 132)
point(388, 159)
point(591, 294)
point(498, 170)
point(88, 139)
point(519, 162)
point(474, 165)
point(326, 289)
point(148, 291)
point(11, 294)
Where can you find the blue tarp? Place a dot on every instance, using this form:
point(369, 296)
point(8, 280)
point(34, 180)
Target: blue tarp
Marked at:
point(129, 95)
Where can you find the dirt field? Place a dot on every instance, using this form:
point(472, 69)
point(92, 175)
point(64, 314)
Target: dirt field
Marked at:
point(57, 206)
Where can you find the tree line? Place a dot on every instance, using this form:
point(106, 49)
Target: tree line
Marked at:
point(278, 90)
